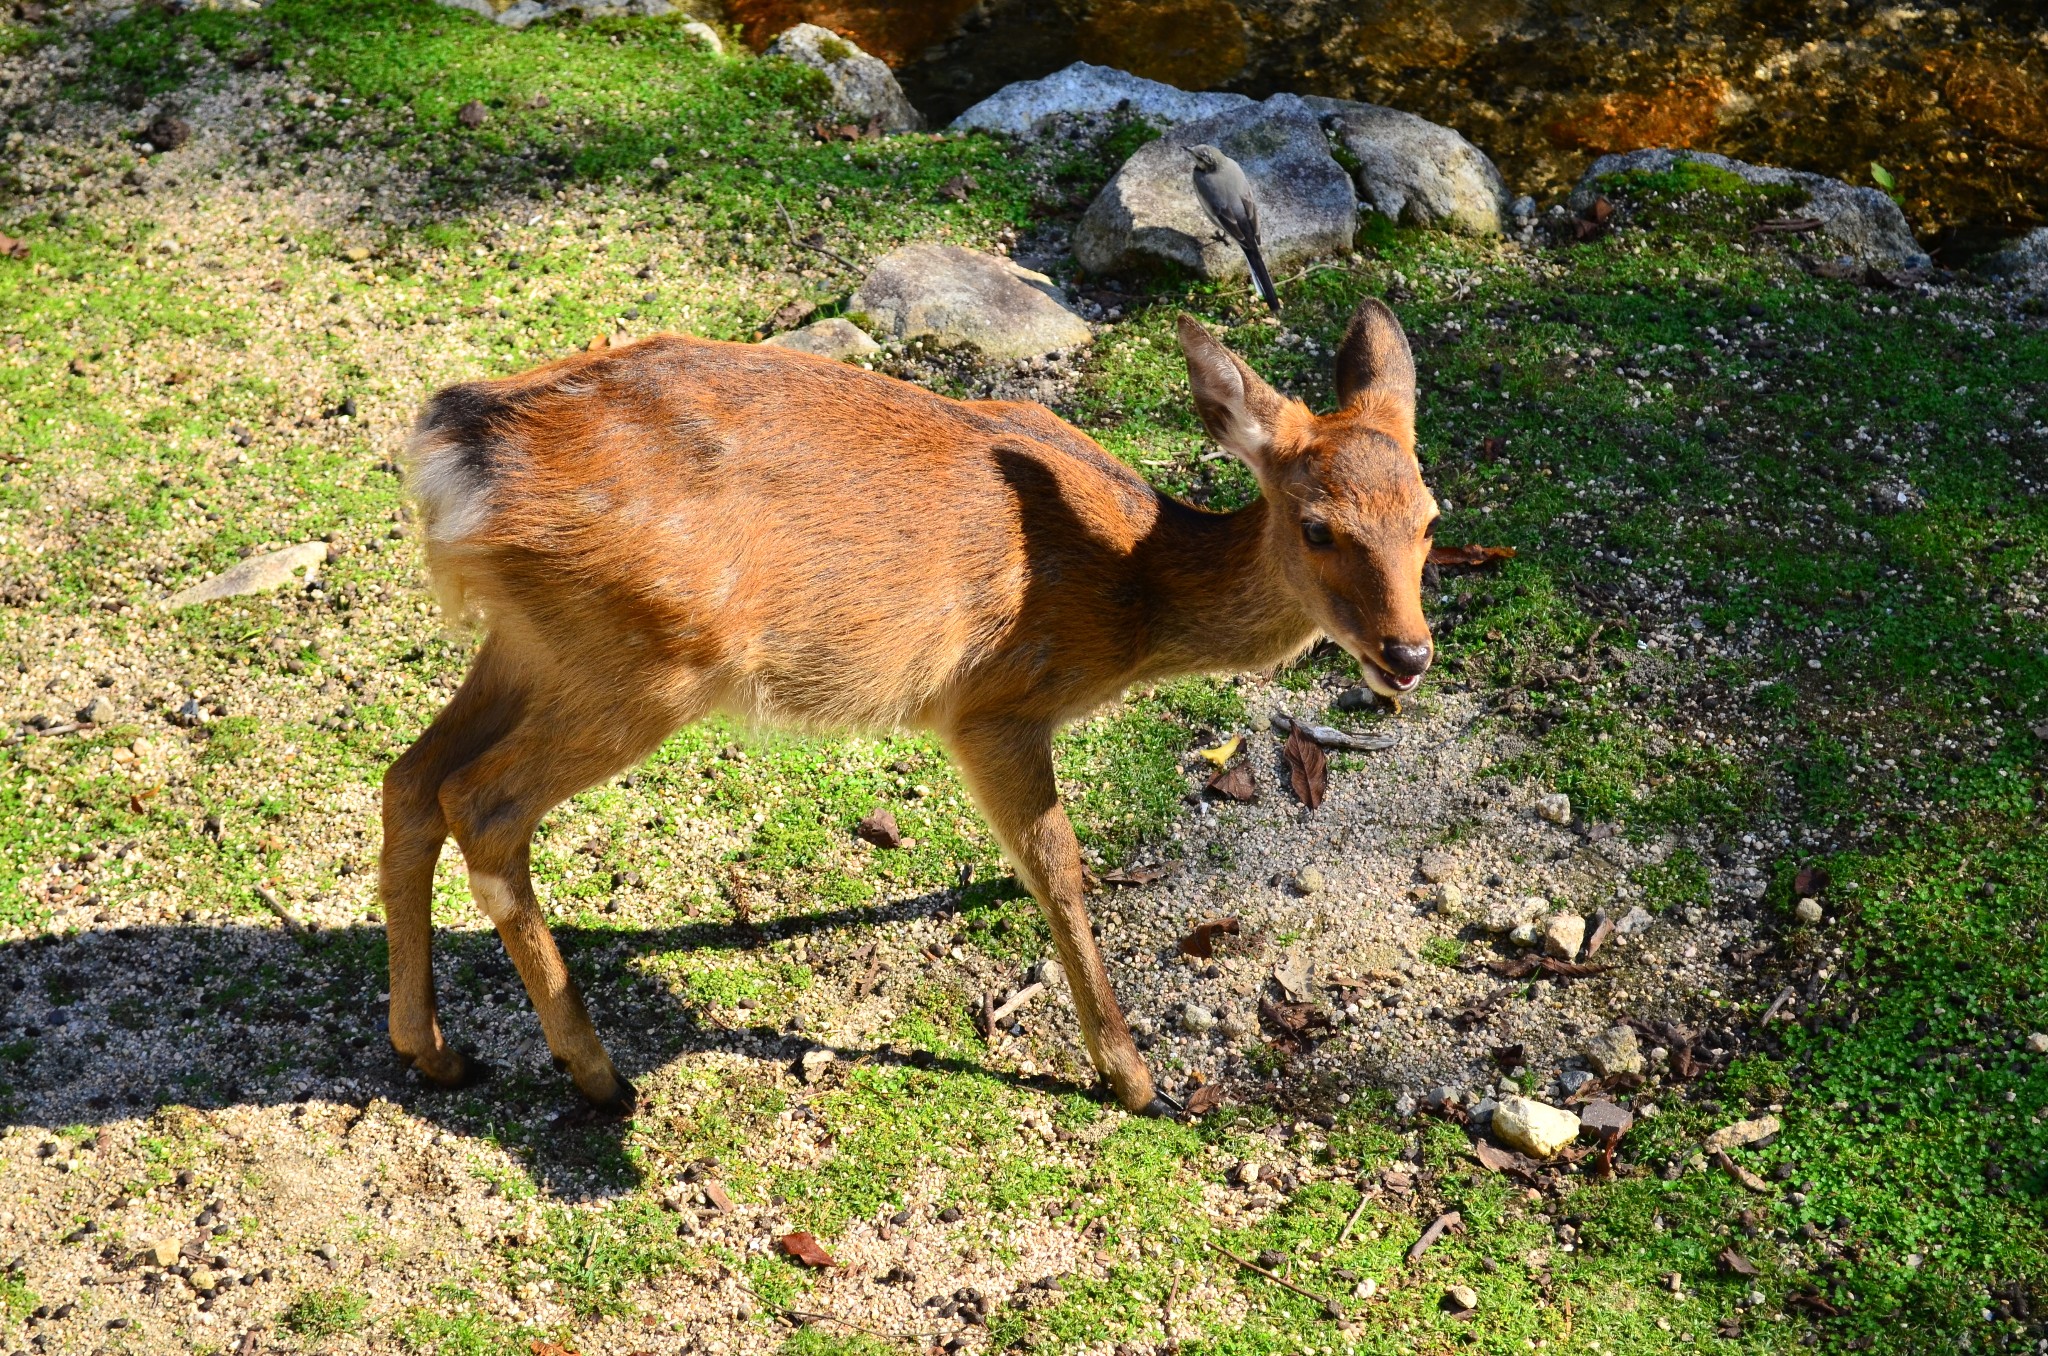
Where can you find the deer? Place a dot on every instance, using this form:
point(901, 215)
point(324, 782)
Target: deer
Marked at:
point(649, 534)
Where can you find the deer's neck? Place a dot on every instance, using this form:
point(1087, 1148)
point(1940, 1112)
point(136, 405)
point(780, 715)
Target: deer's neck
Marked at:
point(1222, 600)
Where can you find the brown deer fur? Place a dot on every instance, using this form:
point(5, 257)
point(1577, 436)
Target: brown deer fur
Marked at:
point(680, 526)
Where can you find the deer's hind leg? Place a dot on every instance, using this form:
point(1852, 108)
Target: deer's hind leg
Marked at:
point(492, 805)
point(487, 706)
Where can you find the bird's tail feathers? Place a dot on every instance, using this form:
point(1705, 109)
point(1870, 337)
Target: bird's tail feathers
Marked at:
point(1260, 278)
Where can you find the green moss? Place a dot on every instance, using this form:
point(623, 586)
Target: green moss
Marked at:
point(317, 1315)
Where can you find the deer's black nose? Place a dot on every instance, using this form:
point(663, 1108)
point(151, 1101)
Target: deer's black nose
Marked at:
point(1409, 661)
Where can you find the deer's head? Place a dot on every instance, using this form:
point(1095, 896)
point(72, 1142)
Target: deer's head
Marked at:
point(1351, 519)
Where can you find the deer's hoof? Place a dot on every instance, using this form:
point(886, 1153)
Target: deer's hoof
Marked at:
point(1164, 1108)
point(618, 1107)
point(449, 1069)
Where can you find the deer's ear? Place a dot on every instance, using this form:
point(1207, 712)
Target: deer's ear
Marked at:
point(1373, 363)
point(1240, 411)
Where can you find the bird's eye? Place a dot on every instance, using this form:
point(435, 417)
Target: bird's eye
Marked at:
point(1316, 532)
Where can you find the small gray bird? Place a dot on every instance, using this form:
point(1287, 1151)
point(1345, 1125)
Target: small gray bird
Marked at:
point(1226, 195)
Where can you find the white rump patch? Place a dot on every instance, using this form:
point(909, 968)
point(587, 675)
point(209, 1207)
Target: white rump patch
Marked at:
point(454, 499)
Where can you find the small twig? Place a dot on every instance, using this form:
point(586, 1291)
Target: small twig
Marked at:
point(1016, 1001)
point(1785, 996)
point(1275, 1279)
point(804, 1314)
point(276, 906)
point(1450, 1219)
point(867, 981)
point(1364, 1199)
point(790, 226)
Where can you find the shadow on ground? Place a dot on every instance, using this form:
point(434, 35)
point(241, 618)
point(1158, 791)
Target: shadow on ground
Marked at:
point(112, 1025)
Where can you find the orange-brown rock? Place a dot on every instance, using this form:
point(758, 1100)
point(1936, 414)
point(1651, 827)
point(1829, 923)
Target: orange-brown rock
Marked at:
point(1194, 44)
point(1684, 113)
point(1995, 97)
point(894, 30)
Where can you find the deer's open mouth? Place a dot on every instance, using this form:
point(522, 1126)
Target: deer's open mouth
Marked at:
point(1387, 684)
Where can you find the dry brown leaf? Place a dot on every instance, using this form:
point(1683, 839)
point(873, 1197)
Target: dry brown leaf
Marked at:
point(1235, 783)
point(880, 829)
point(716, 1194)
point(1736, 1262)
point(1308, 768)
point(1809, 881)
point(10, 248)
point(804, 1248)
point(540, 1346)
point(1137, 875)
point(1201, 939)
point(1469, 556)
point(1205, 1099)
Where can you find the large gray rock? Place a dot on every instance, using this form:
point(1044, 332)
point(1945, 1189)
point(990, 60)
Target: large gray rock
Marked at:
point(1023, 108)
point(957, 296)
point(257, 574)
point(2026, 257)
point(862, 86)
point(1148, 215)
point(1859, 222)
point(1416, 171)
point(837, 339)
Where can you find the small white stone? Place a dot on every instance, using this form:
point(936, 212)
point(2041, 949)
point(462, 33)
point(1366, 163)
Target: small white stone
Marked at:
point(1248, 1173)
point(2038, 1042)
point(1524, 934)
point(1366, 1288)
point(1563, 934)
point(1534, 1127)
point(1197, 1020)
point(1807, 911)
point(1309, 880)
point(1463, 1296)
point(1449, 898)
point(1555, 807)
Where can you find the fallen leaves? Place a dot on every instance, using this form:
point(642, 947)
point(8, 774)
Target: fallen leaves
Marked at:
point(880, 829)
point(473, 114)
point(1205, 1099)
point(540, 1346)
point(1522, 967)
point(11, 248)
point(1749, 1180)
point(1138, 875)
point(1603, 929)
point(804, 1248)
point(1809, 881)
point(1201, 939)
point(716, 1194)
point(1736, 1262)
point(1594, 221)
point(1235, 784)
point(1469, 557)
point(1308, 768)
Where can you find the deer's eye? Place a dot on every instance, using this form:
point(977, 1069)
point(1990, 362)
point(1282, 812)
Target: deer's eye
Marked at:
point(1429, 533)
point(1316, 532)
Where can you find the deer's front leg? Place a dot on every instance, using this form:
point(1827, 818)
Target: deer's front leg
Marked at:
point(1008, 768)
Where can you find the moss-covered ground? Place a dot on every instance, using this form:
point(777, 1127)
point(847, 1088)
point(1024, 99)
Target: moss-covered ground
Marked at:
point(1782, 548)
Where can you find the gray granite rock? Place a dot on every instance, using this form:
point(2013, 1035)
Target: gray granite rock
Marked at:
point(958, 296)
point(835, 338)
point(1418, 172)
point(1148, 215)
point(1861, 223)
point(2026, 257)
point(1615, 1051)
point(863, 87)
point(1023, 108)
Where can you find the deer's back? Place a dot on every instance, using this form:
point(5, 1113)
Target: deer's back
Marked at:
point(816, 544)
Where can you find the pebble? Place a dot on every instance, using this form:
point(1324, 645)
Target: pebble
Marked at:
point(1197, 1020)
point(1461, 1296)
point(1482, 1111)
point(98, 711)
point(1571, 1080)
point(1563, 935)
point(1615, 1051)
point(1449, 898)
point(1807, 911)
point(1555, 807)
point(2038, 1042)
point(1636, 920)
point(1536, 1128)
point(1233, 1027)
point(327, 1252)
point(1247, 1173)
point(1366, 1289)
point(1437, 866)
point(1309, 880)
point(1524, 934)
